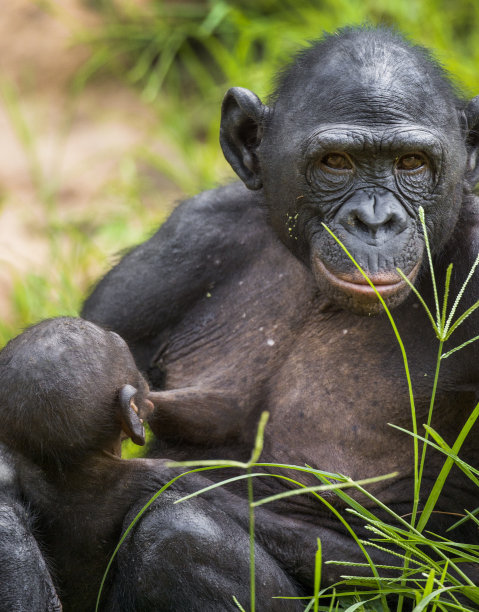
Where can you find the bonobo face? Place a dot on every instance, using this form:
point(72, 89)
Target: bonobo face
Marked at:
point(361, 135)
point(365, 183)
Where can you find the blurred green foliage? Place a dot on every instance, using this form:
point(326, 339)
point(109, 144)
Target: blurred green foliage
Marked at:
point(217, 43)
point(184, 55)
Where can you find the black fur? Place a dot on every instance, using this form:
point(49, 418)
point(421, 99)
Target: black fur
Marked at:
point(25, 580)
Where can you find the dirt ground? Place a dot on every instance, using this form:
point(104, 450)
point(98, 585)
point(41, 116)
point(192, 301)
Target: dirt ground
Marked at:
point(47, 134)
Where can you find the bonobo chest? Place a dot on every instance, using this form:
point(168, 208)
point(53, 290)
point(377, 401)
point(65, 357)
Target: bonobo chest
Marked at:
point(331, 380)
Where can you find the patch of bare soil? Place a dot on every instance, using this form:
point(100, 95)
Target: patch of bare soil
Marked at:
point(76, 143)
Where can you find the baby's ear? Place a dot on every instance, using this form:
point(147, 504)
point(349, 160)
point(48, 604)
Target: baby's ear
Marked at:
point(130, 420)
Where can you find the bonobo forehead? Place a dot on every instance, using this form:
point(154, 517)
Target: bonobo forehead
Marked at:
point(366, 77)
point(381, 139)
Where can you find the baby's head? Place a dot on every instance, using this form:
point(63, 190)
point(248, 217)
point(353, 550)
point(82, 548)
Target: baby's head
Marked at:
point(69, 388)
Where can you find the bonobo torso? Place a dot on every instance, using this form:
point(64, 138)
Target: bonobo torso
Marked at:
point(261, 337)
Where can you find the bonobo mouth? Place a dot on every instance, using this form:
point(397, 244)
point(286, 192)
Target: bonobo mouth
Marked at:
point(386, 283)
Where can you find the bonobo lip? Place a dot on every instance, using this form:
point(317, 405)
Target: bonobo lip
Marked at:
point(386, 283)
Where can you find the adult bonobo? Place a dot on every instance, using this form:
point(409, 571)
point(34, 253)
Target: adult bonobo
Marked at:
point(242, 302)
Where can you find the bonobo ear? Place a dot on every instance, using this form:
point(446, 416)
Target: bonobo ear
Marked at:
point(472, 141)
point(130, 421)
point(241, 130)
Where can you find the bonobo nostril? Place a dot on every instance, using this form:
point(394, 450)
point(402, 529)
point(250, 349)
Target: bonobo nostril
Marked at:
point(363, 227)
point(374, 213)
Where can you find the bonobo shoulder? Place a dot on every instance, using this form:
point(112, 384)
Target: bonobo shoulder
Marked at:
point(204, 239)
point(222, 214)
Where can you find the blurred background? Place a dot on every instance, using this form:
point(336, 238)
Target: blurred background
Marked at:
point(109, 114)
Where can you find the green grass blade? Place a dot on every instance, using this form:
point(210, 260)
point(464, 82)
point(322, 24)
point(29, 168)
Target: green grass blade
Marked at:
point(350, 501)
point(472, 593)
point(429, 584)
point(431, 267)
point(445, 299)
point(322, 488)
point(462, 318)
point(317, 575)
point(421, 300)
point(441, 582)
point(427, 600)
point(471, 516)
point(304, 468)
point(438, 485)
point(458, 348)
point(468, 470)
point(464, 519)
point(459, 295)
point(238, 605)
point(222, 483)
point(359, 605)
point(259, 440)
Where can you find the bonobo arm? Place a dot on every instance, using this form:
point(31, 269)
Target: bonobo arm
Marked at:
point(25, 582)
point(190, 411)
point(156, 283)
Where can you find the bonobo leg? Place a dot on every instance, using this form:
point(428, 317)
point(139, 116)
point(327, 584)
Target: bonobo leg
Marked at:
point(192, 557)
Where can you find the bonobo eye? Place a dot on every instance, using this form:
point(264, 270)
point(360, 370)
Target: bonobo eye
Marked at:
point(411, 162)
point(337, 161)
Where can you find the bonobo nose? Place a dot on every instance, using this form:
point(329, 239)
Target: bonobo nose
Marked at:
point(374, 214)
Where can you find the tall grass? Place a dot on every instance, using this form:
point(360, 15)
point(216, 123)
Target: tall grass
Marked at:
point(191, 53)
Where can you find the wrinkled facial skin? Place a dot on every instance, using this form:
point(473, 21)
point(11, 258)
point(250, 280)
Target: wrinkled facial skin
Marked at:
point(366, 184)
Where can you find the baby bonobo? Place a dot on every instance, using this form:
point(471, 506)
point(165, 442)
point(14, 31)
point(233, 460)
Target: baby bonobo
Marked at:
point(70, 391)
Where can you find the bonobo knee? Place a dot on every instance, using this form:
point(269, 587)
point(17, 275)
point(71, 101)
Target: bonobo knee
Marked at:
point(191, 556)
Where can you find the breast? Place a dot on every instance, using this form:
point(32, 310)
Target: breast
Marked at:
point(334, 395)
